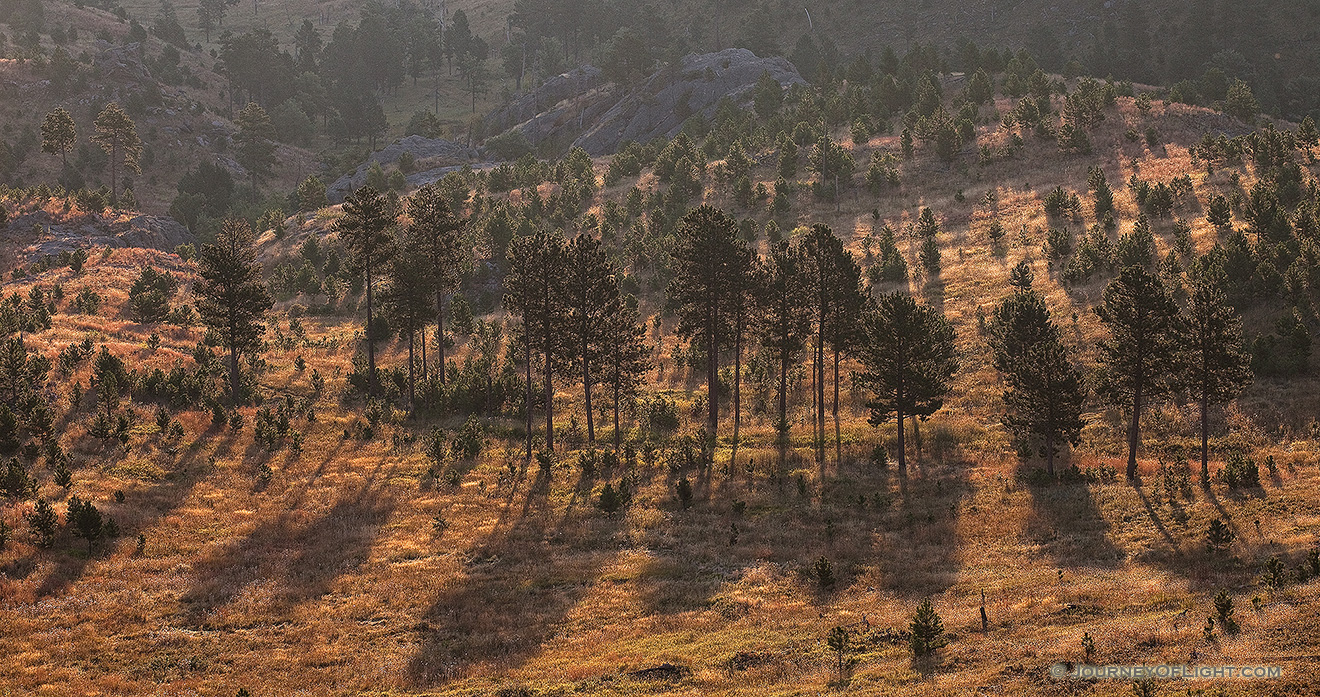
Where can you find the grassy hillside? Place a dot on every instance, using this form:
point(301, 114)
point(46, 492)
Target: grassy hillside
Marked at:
point(340, 563)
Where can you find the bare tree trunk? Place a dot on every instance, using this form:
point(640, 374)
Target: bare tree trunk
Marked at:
point(440, 335)
point(527, 343)
point(1205, 440)
point(902, 447)
point(1134, 435)
point(838, 438)
point(423, 343)
point(371, 345)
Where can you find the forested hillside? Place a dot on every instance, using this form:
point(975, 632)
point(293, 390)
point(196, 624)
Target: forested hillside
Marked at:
point(915, 382)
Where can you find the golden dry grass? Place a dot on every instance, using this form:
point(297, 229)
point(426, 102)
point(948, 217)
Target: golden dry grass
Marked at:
point(330, 579)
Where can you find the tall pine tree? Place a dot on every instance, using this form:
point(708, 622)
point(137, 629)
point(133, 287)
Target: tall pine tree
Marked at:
point(1138, 357)
point(438, 232)
point(707, 248)
point(626, 359)
point(591, 296)
point(784, 320)
point(1213, 365)
point(366, 228)
point(1045, 391)
point(535, 292)
point(232, 298)
point(117, 136)
point(909, 358)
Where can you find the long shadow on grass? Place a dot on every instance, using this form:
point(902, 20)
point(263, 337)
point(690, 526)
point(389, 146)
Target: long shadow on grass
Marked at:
point(140, 511)
point(1066, 521)
point(519, 584)
point(915, 550)
point(292, 557)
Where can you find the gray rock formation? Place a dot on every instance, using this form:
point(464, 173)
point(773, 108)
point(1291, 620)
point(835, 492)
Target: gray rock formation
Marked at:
point(53, 236)
point(546, 97)
point(442, 154)
point(578, 110)
point(658, 108)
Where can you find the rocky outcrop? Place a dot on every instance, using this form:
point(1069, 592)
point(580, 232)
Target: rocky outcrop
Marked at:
point(438, 153)
point(52, 234)
point(544, 98)
point(600, 117)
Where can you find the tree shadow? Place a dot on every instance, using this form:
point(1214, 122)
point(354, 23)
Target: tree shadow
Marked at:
point(1066, 521)
point(518, 585)
point(140, 513)
point(287, 559)
point(916, 552)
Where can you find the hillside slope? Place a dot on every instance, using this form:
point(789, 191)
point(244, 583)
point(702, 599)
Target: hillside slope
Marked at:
point(340, 555)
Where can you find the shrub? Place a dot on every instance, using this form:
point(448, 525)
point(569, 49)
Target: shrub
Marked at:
point(42, 520)
point(823, 572)
point(1240, 472)
point(1219, 535)
point(684, 490)
point(1224, 609)
point(86, 520)
point(927, 631)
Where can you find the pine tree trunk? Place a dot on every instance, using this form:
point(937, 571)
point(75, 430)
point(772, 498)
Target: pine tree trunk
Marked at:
point(1134, 434)
point(1049, 452)
point(782, 426)
point(1205, 440)
point(412, 386)
point(440, 335)
point(838, 438)
point(737, 391)
point(902, 446)
point(527, 344)
point(618, 437)
point(233, 374)
point(423, 343)
point(586, 389)
point(371, 345)
point(712, 377)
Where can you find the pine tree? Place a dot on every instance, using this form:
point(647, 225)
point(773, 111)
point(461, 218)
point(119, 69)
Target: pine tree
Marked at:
point(59, 134)
point(407, 297)
point(535, 291)
point(909, 358)
point(784, 319)
point(118, 137)
point(1213, 365)
point(707, 247)
point(744, 278)
point(86, 520)
point(591, 295)
point(1138, 357)
point(232, 298)
point(926, 630)
point(1045, 392)
point(626, 359)
point(366, 229)
point(439, 233)
point(1044, 398)
point(255, 142)
point(835, 281)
